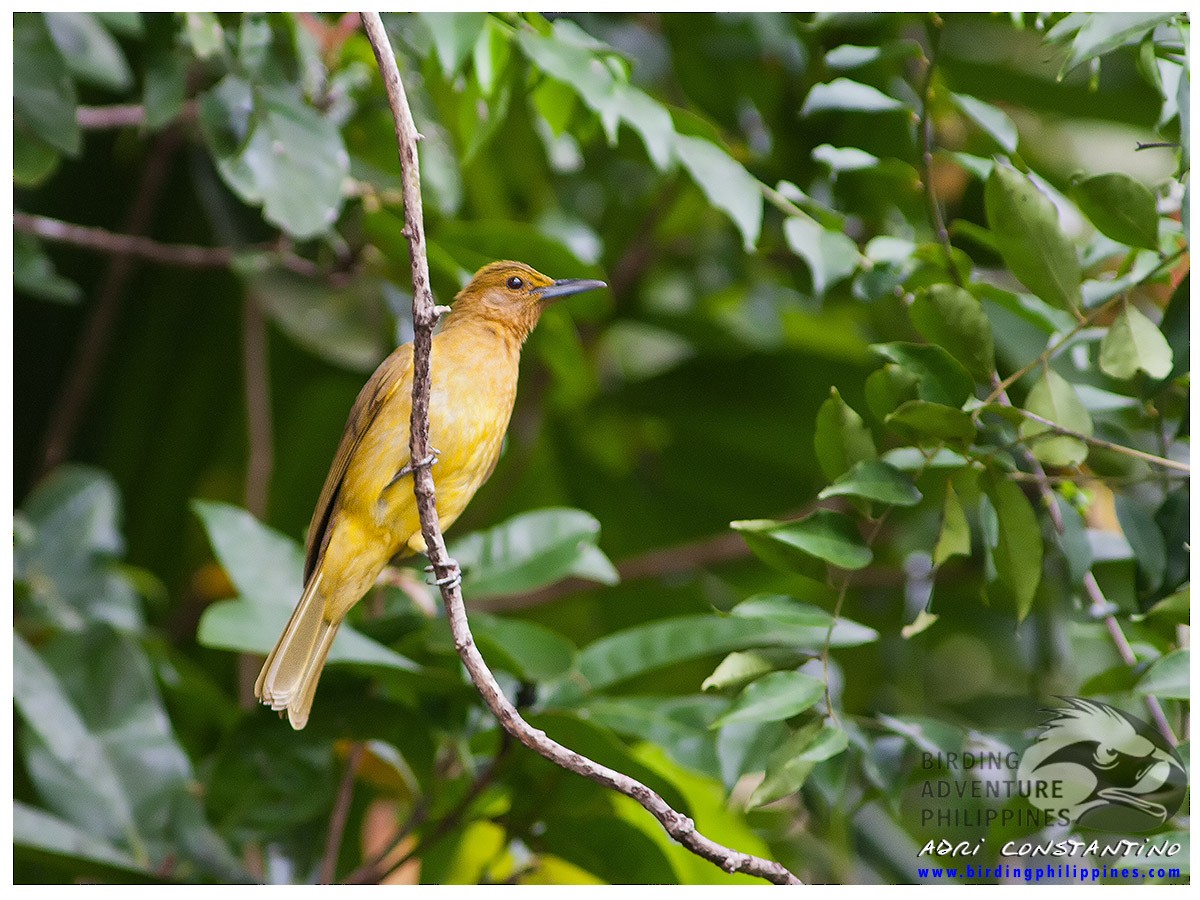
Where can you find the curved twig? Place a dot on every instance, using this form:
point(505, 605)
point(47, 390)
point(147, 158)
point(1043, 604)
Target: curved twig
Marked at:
point(425, 316)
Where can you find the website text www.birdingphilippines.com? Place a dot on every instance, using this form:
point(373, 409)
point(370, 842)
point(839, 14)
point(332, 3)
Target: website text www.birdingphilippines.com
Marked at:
point(1048, 873)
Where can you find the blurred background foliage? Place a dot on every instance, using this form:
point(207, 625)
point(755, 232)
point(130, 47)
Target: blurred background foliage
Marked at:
point(209, 262)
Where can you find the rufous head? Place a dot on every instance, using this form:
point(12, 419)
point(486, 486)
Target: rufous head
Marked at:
point(513, 295)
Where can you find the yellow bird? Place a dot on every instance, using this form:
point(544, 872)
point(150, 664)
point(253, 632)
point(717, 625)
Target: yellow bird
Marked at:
point(367, 513)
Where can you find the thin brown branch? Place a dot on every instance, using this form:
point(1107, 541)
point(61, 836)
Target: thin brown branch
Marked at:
point(1103, 444)
point(123, 245)
point(123, 115)
point(341, 812)
point(446, 570)
point(93, 342)
point(925, 129)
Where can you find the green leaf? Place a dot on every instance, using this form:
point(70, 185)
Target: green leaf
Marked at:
point(1175, 609)
point(530, 551)
point(1013, 539)
point(1169, 676)
point(790, 765)
point(1120, 208)
point(490, 55)
point(1025, 228)
point(1054, 398)
point(888, 388)
point(741, 667)
point(848, 96)
point(66, 740)
point(454, 35)
point(1102, 33)
point(940, 377)
point(267, 569)
point(34, 273)
point(874, 479)
point(677, 724)
point(850, 56)
point(528, 650)
point(277, 152)
point(205, 34)
point(43, 94)
point(1133, 342)
point(921, 419)
point(71, 846)
point(831, 256)
point(777, 696)
point(34, 161)
point(725, 182)
point(66, 561)
point(1146, 539)
point(822, 537)
point(954, 537)
point(782, 623)
point(993, 120)
point(616, 851)
point(91, 53)
point(840, 437)
point(950, 317)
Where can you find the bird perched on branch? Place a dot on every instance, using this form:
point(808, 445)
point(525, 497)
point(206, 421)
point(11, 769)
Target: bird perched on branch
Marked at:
point(367, 512)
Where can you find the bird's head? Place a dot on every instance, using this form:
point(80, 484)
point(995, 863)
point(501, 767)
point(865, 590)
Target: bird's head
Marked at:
point(513, 295)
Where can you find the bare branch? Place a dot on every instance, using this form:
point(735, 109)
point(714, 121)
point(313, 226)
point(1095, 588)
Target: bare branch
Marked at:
point(123, 115)
point(341, 812)
point(1055, 428)
point(186, 255)
point(680, 827)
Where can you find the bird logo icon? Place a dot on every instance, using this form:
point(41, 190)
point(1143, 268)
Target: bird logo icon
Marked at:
point(1104, 769)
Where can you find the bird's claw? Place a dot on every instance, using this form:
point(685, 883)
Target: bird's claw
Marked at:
point(410, 468)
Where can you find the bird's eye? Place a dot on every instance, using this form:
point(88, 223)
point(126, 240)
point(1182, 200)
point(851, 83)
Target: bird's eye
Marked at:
point(515, 283)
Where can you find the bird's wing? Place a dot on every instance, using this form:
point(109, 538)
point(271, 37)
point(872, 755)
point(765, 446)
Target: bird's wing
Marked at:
point(391, 374)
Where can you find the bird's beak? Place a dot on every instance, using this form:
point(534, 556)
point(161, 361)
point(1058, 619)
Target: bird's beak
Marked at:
point(565, 287)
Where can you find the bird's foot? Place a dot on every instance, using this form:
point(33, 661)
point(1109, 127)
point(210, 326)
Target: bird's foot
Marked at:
point(410, 468)
point(453, 580)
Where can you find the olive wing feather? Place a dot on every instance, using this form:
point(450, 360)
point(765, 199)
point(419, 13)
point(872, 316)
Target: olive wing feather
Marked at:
point(392, 373)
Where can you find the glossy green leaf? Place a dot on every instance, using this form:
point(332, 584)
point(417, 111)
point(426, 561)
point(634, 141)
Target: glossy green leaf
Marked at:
point(678, 724)
point(773, 697)
point(1168, 677)
point(924, 420)
point(71, 846)
point(790, 765)
point(783, 622)
point(66, 559)
point(741, 667)
point(1133, 342)
point(530, 651)
point(1174, 609)
point(1100, 33)
point(612, 849)
point(63, 737)
point(840, 438)
point(34, 160)
point(950, 317)
point(1014, 541)
point(993, 120)
point(91, 53)
point(1054, 398)
point(874, 479)
point(954, 536)
point(530, 551)
point(845, 95)
point(851, 56)
point(204, 33)
point(725, 182)
point(1025, 227)
point(43, 94)
point(1120, 208)
point(277, 152)
point(454, 35)
point(490, 55)
point(940, 377)
point(888, 388)
point(831, 256)
point(823, 536)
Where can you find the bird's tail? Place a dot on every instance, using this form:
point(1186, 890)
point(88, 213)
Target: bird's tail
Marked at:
point(288, 679)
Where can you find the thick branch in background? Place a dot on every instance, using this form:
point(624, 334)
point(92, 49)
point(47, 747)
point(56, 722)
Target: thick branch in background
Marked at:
point(425, 316)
